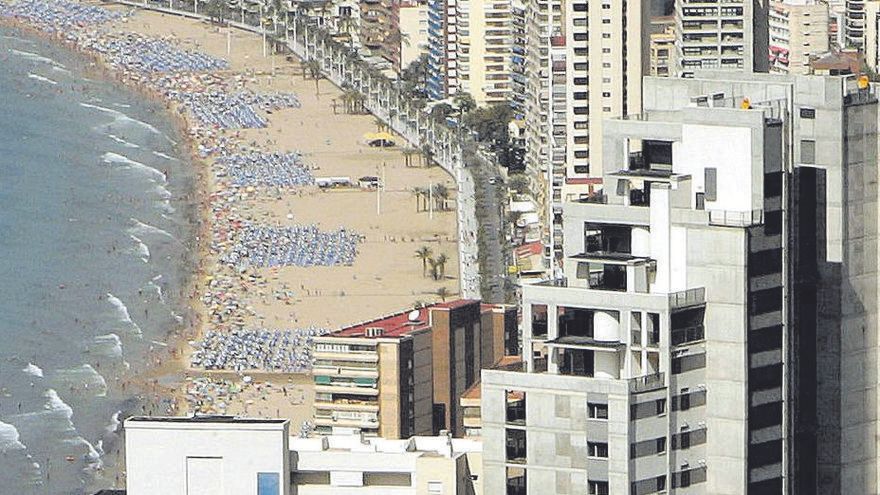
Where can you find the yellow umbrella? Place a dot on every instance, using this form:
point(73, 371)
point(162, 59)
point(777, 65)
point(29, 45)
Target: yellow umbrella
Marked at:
point(383, 135)
point(370, 136)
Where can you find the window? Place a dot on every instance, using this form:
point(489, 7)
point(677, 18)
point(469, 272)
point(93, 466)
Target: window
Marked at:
point(581, 169)
point(711, 186)
point(580, 7)
point(765, 301)
point(773, 222)
point(606, 109)
point(516, 446)
point(597, 487)
point(647, 447)
point(661, 406)
point(582, 154)
point(606, 50)
point(268, 484)
point(606, 94)
point(606, 36)
point(580, 95)
point(435, 487)
point(597, 411)
point(595, 449)
point(808, 113)
point(606, 21)
point(808, 151)
point(688, 362)
point(606, 65)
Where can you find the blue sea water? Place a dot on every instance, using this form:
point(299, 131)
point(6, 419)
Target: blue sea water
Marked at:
point(96, 227)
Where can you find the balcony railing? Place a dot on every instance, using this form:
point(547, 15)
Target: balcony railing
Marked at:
point(725, 218)
point(647, 383)
point(689, 297)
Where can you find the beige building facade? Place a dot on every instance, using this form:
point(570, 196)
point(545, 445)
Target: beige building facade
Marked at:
point(798, 31)
point(413, 25)
point(403, 374)
point(485, 35)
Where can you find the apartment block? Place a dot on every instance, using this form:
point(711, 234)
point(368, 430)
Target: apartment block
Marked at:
point(855, 24)
point(798, 31)
point(587, 65)
point(413, 25)
point(379, 31)
point(442, 48)
point(484, 49)
point(726, 35)
point(403, 374)
point(663, 54)
point(706, 333)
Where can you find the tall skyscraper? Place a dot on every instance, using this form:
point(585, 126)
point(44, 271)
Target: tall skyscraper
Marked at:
point(715, 327)
point(585, 64)
point(798, 31)
point(442, 48)
point(727, 35)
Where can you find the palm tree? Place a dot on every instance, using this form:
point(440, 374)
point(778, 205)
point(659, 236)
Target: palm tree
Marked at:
point(443, 293)
point(314, 68)
point(441, 263)
point(441, 194)
point(427, 154)
point(380, 126)
point(419, 193)
point(424, 254)
point(407, 155)
point(435, 267)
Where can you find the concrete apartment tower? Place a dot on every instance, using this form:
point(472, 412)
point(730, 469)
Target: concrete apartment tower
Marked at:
point(585, 63)
point(726, 35)
point(798, 31)
point(855, 25)
point(715, 330)
point(442, 48)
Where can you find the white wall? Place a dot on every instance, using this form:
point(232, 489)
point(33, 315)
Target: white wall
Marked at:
point(728, 149)
point(157, 454)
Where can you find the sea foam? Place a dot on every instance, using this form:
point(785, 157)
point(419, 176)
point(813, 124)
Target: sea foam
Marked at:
point(128, 163)
point(142, 250)
point(122, 313)
point(9, 438)
point(121, 117)
point(40, 78)
point(33, 370)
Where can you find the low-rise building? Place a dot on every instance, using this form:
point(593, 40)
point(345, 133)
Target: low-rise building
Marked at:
point(403, 374)
point(225, 455)
point(663, 55)
point(353, 464)
point(210, 455)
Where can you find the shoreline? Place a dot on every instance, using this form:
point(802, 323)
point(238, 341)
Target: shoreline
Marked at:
point(174, 361)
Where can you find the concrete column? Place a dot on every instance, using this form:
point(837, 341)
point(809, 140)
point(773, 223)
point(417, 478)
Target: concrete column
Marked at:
point(660, 236)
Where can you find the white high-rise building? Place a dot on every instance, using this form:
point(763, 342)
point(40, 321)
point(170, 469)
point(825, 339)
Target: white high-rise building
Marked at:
point(715, 326)
point(585, 63)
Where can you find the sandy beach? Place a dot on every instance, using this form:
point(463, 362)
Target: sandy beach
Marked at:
point(385, 275)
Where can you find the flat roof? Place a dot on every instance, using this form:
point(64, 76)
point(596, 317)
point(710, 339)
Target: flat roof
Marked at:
point(399, 324)
point(204, 419)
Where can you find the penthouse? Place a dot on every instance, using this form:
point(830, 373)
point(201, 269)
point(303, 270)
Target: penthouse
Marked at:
point(403, 374)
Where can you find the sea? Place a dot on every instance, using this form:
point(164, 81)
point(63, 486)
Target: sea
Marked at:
point(97, 227)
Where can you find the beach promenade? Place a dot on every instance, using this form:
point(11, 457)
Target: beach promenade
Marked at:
point(280, 255)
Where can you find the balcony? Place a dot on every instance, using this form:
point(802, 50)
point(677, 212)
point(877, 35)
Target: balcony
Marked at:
point(647, 383)
point(687, 298)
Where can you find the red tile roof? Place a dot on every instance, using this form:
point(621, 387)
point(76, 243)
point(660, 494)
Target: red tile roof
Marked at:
point(459, 303)
point(393, 326)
